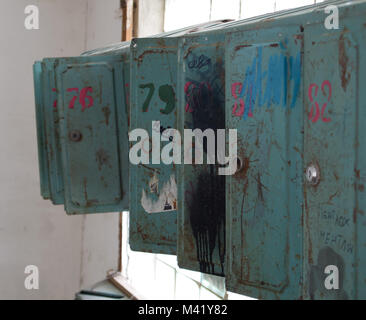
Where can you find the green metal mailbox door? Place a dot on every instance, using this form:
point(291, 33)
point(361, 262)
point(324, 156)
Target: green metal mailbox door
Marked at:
point(334, 157)
point(201, 209)
point(93, 134)
point(263, 198)
point(153, 186)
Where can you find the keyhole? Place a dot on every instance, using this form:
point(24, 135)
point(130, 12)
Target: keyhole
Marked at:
point(75, 135)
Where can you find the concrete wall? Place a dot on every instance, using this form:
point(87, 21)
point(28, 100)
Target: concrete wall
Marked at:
point(70, 251)
point(32, 230)
point(150, 17)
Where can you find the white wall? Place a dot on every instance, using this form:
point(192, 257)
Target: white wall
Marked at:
point(150, 17)
point(32, 230)
point(104, 23)
point(71, 252)
point(183, 13)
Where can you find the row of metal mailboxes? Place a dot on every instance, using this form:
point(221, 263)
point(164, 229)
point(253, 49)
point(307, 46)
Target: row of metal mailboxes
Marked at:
point(293, 91)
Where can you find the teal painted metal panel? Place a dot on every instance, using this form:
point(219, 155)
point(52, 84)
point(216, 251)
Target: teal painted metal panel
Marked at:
point(295, 207)
point(93, 133)
point(264, 103)
point(334, 144)
point(201, 101)
point(41, 135)
point(51, 120)
point(153, 187)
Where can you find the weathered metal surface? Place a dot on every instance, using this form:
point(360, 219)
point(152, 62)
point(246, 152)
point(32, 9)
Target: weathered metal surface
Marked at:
point(264, 104)
point(41, 135)
point(295, 207)
point(93, 133)
point(153, 187)
point(334, 142)
point(52, 135)
point(201, 191)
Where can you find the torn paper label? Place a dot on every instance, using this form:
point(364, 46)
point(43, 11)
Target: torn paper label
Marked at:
point(165, 200)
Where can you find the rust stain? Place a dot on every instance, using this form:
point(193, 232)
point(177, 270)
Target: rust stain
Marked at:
point(140, 58)
point(146, 167)
point(310, 246)
point(355, 215)
point(357, 172)
point(237, 48)
point(107, 113)
point(332, 196)
point(297, 150)
point(102, 158)
point(343, 63)
point(90, 128)
point(141, 232)
point(189, 51)
point(85, 180)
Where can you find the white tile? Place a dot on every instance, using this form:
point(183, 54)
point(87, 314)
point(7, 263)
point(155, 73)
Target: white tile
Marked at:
point(191, 274)
point(251, 8)
point(140, 272)
point(207, 295)
point(179, 14)
point(225, 9)
point(289, 4)
point(186, 289)
point(235, 296)
point(168, 259)
point(165, 281)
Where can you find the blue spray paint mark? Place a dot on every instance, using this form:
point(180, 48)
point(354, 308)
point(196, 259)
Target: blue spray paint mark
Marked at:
point(273, 92)
point(295, 75)
point(280, 70)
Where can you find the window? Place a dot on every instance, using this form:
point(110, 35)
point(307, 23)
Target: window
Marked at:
point(157, 276)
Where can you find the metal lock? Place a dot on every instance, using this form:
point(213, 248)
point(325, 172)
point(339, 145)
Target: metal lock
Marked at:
point(313, 174)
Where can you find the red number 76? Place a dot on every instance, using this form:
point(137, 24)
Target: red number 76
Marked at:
point(82, 97)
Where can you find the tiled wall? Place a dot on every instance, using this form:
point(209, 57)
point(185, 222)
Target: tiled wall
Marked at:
point(157, 276)
point(182, 13)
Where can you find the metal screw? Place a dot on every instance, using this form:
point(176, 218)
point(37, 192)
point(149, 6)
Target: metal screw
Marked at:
point(75, 135)
point(312, 174)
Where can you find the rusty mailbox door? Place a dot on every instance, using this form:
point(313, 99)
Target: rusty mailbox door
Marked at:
point(41, 134)
point(153, 184)
point(93, 133)
point(201, 190)
point(264, 196)
point(334, 156)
